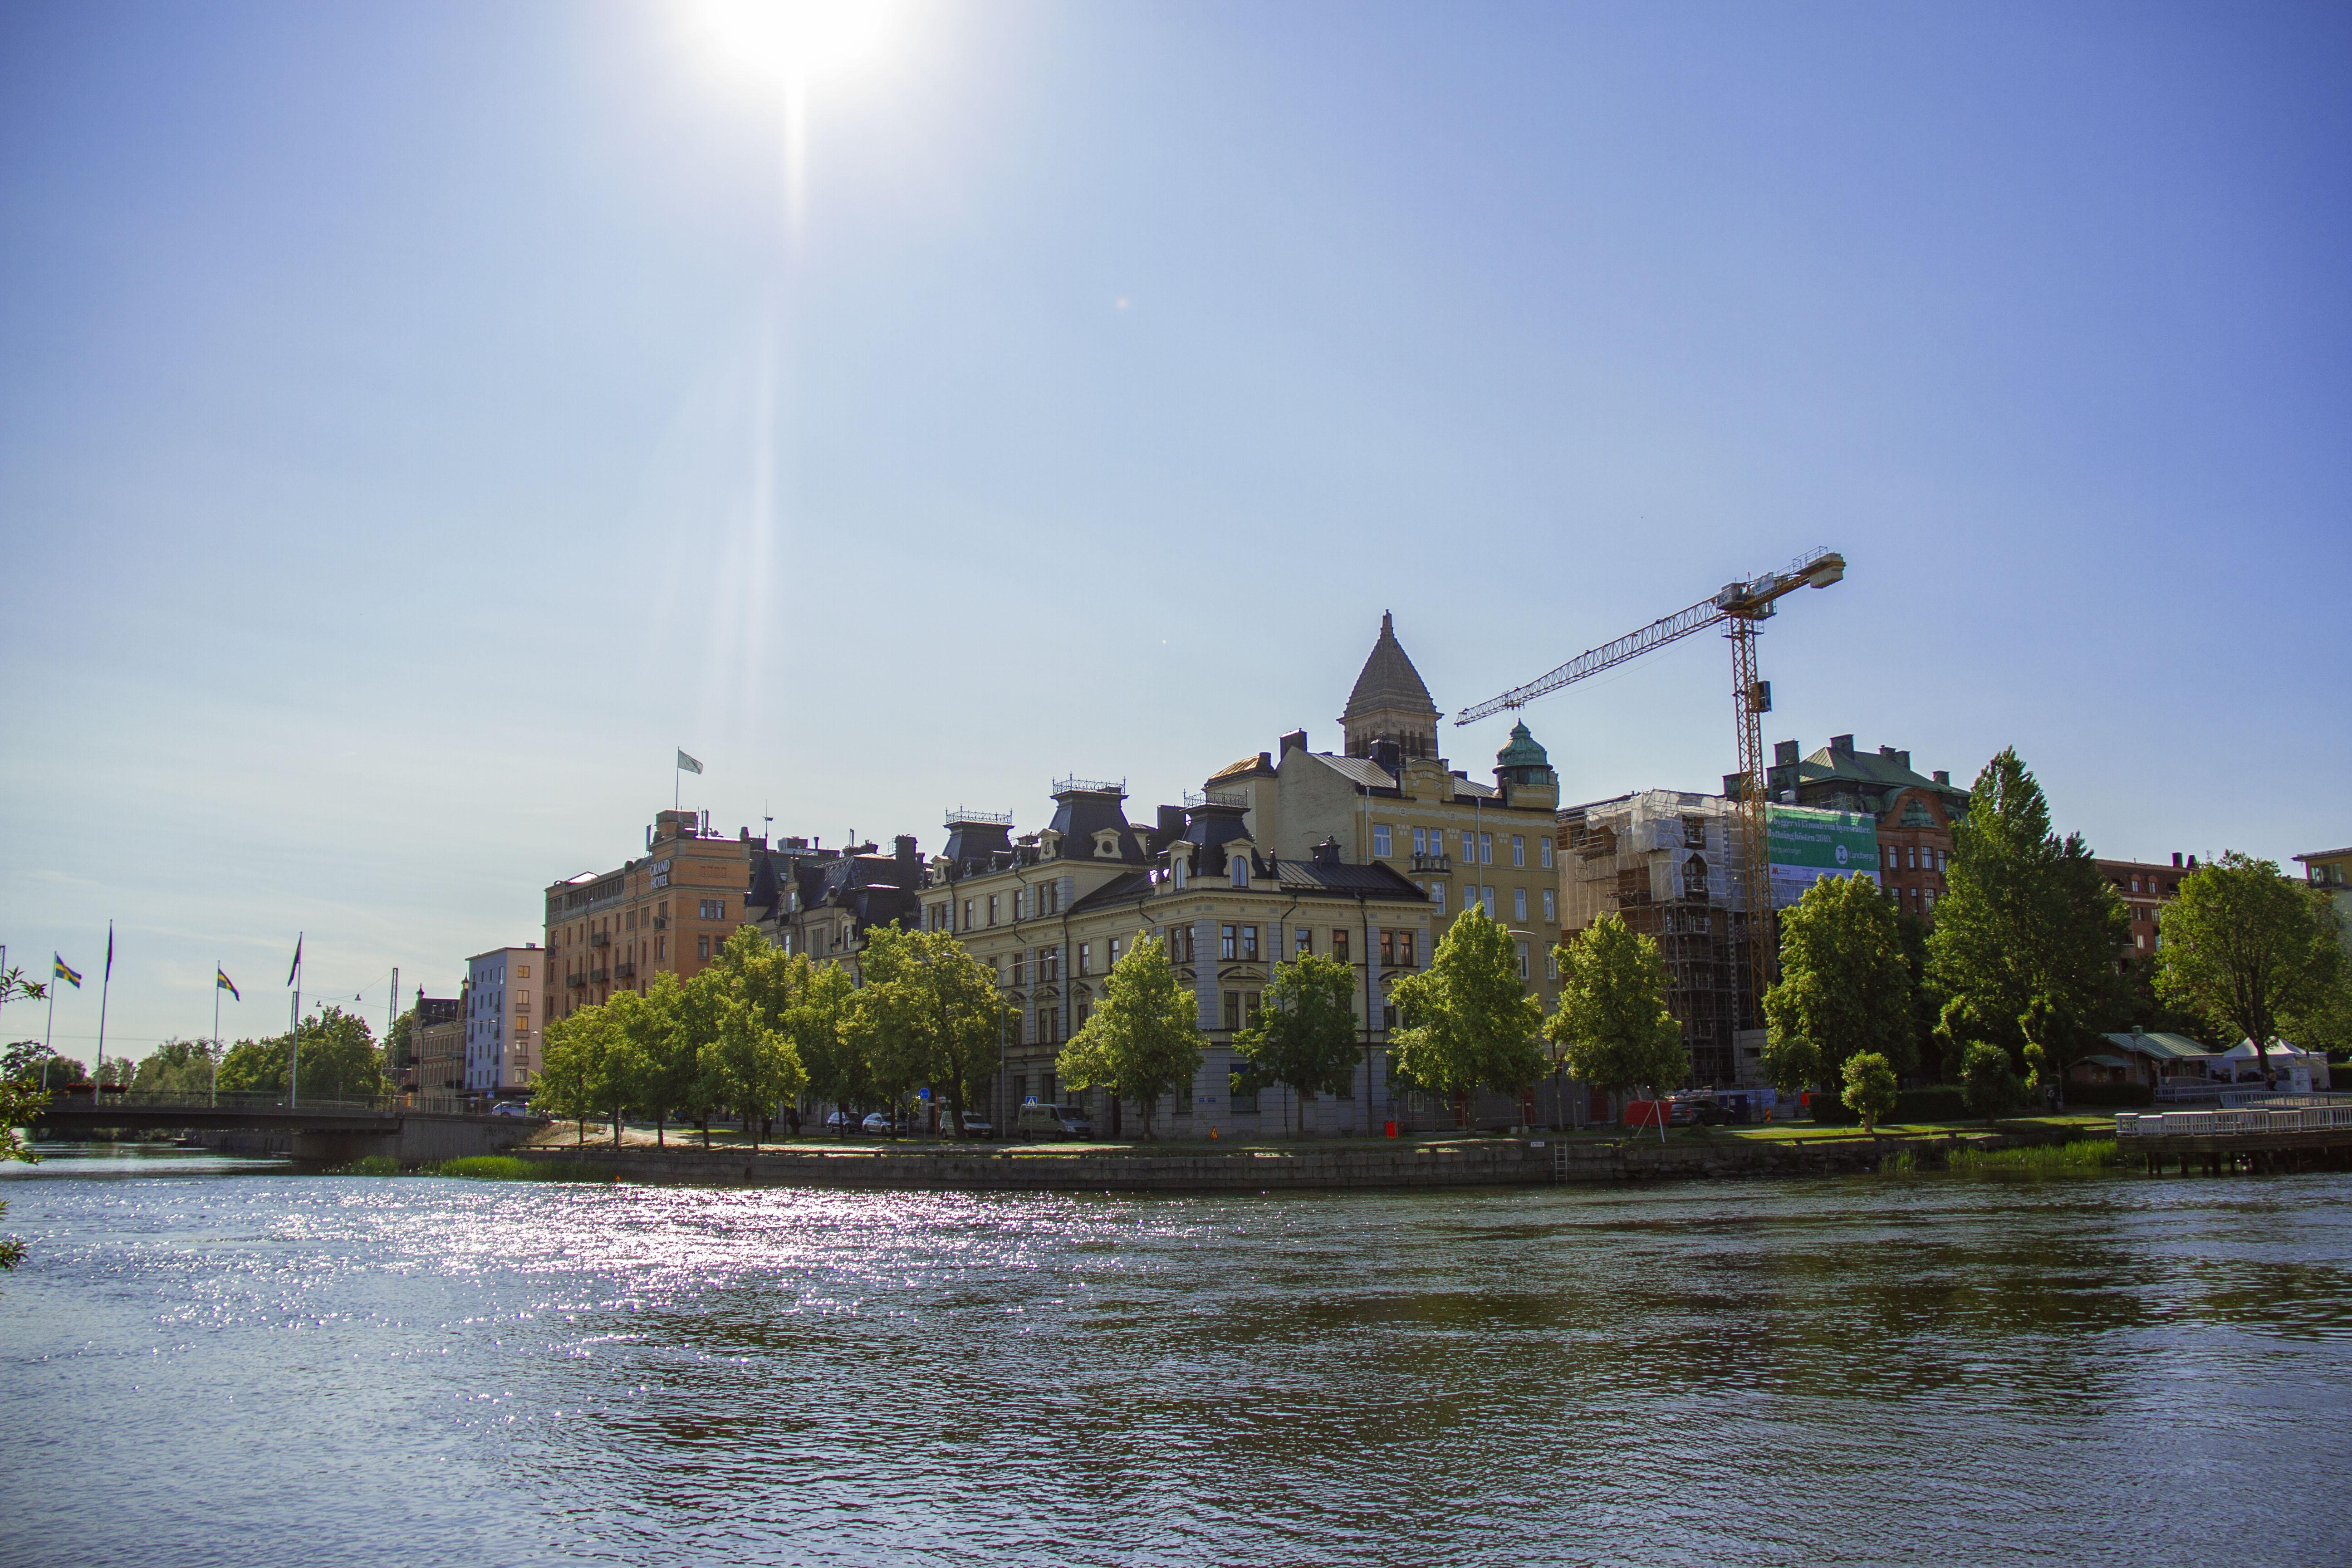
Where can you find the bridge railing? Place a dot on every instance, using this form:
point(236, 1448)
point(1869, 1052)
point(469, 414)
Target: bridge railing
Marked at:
point(80, 1099)
point(2247, 1122)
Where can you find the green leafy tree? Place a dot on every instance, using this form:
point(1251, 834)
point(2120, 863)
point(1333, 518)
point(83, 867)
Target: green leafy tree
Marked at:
point(1144, 1040)
point(1305, 1036)
point(1844, 987)
point(929, 1016)
point(665, 1037)
point(30, 1061)
point(340, 1060)
point(1989, 1083)
point(2254, 952)
point(1869, 1088)
point(575, 1062)
point(177, 1067)
point(21, 1105)
point(1468, 1020)
point(749, 1060)
point(2024, 944)
point(1612, 1028)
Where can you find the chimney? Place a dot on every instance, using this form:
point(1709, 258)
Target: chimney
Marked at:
point(1294, 742)
point(2192, 862)
point(1328, 852)
point(905, 843)
point(1171, 822)
point(1265, 761)
point(1841, 745)
point(2176, 859)
point(1943, 775)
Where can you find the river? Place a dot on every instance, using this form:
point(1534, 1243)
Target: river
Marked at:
point(207, 1361)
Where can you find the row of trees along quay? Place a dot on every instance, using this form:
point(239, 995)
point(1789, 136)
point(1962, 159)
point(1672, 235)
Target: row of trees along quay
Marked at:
point(2017, 980)
point(340, 1060)
point(2015, 983)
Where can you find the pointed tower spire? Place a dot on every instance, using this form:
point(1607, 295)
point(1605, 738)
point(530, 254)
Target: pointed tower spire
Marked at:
point(1390, 702)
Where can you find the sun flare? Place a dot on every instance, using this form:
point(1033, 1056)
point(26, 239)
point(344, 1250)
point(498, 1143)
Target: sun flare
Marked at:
point(785, 41)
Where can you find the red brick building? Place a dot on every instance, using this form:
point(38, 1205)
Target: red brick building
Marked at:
point(1916, 811)
point(2145, 887)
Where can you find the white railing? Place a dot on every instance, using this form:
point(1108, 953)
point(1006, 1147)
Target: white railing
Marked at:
point(2246, 1120)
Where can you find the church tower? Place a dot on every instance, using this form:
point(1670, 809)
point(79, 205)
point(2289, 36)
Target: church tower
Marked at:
point(1390, 702)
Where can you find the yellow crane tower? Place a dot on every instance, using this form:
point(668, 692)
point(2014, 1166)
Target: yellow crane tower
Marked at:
point(1746, 605)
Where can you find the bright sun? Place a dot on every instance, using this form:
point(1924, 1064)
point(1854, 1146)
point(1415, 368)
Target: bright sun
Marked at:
point(791, 41)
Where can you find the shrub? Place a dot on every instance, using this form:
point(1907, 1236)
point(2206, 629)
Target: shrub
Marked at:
point(1987, 1083)
point(507, 1168)
point(1869, 1087)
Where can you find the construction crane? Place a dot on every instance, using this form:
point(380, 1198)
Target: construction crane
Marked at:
point(1746, 605)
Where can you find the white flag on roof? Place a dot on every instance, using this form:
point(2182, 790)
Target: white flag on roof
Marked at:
point(688, 763)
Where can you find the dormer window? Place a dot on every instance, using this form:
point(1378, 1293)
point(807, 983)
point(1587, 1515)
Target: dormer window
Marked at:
point(1240, 867)
point(1107, 845)
point(1178, 865)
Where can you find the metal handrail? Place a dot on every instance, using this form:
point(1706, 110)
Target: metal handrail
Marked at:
point(1091, 786)
point(115, 1099)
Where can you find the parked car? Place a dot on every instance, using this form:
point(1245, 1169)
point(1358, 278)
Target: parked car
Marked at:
point(877, 1125)
point(841, 1120)
point(510, 1108)
point(974, 1125)
point(1054, 1121)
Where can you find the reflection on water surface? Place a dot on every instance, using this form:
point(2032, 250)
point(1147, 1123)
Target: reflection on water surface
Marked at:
point(251, 1366)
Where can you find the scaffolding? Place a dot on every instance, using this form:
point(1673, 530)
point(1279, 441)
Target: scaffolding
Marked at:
point(1671, 864)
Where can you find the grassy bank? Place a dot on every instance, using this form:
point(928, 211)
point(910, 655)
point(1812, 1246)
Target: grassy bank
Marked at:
point(484, 1168)
point(2082, 1157)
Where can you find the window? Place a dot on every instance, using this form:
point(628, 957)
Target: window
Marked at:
point(1543, 852)
point(1523, 960)
point(1405, 949)
point(1379, 839)
point(1083, 1009)
point(1239, 866)
point(1085, 958)
point(714, 908)
point(661, 949)
point(1421, 840)
point(1518, 903)
point(1228, 942)
point(1518, 849)
point(523, 971)
point(702, 947)
point(1019, 1086)
point(1388, 1018)
point(1893, 861)
point(1486, 848)
point(522, 1001)
point(1340, 943)
point(1184, 1097)
point(1469, 846)
point(1388, 948)
point(1437, 896)
point(991, 908)
point(1113, 953)
point(1303, 938)
point(1244, 1097)
point(1180, 944)
point(1551, 910)
point(1249, 944)
point(1551, 964)
point(1940, 862)
point(968, 905)
point(1046, 1087)
point(1233, 1011)
point(1049, 965)
point(1020, 967)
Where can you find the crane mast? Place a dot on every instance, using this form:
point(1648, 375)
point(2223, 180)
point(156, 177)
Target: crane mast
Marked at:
point(1745, 604)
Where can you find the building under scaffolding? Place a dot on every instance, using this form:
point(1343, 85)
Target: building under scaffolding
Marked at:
point(1669, 863)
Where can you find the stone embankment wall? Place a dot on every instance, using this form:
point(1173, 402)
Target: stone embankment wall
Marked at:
point(1470, 1162)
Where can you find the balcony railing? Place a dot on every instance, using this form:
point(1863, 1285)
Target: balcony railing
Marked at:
point(987, 819)
point(596, 977)
point(1444, 863)
point(661, 922)
point(1217, 797)
point(575, 980)
point(1089, 786)
point(600, 938)
point(625, 971)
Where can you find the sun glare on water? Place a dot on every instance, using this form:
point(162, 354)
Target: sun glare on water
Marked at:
point(791, 41)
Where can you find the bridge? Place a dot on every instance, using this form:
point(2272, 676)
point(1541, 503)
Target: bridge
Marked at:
point(330, 1130)
point(2278, 1132)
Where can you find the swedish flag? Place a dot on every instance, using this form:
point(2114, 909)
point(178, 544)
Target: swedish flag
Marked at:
point(59, 967)
point(221, 981)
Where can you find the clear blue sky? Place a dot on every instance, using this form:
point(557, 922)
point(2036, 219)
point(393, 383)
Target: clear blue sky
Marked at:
point(417, 419)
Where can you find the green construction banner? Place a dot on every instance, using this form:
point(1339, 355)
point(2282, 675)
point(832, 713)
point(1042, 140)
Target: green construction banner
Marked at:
point(1807, 844)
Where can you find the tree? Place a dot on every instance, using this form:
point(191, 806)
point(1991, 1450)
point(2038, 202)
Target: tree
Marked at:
point(2025, 938)
point(178, 1068)
point(572, 1051)
point(1844, 986)
point(1305, 1035)
point(2253, 952)
point(340, 1060)
point(668, 1057)
point(1144, 1039)
point(14, 987)
point(749, 1060)
point(929, 1015)
point(30, 1061)
point(21, 1104)
point(1869, 1088)
point(1469, 1022)
point(1612, 1028)
point(1989, 1084)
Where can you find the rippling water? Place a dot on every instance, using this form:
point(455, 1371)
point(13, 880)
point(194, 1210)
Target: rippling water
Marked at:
point(206, 1363)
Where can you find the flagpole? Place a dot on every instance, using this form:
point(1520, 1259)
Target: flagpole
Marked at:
point(46, 1030)
point(105, 985)
point(294, 1032)
point(217, 972)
